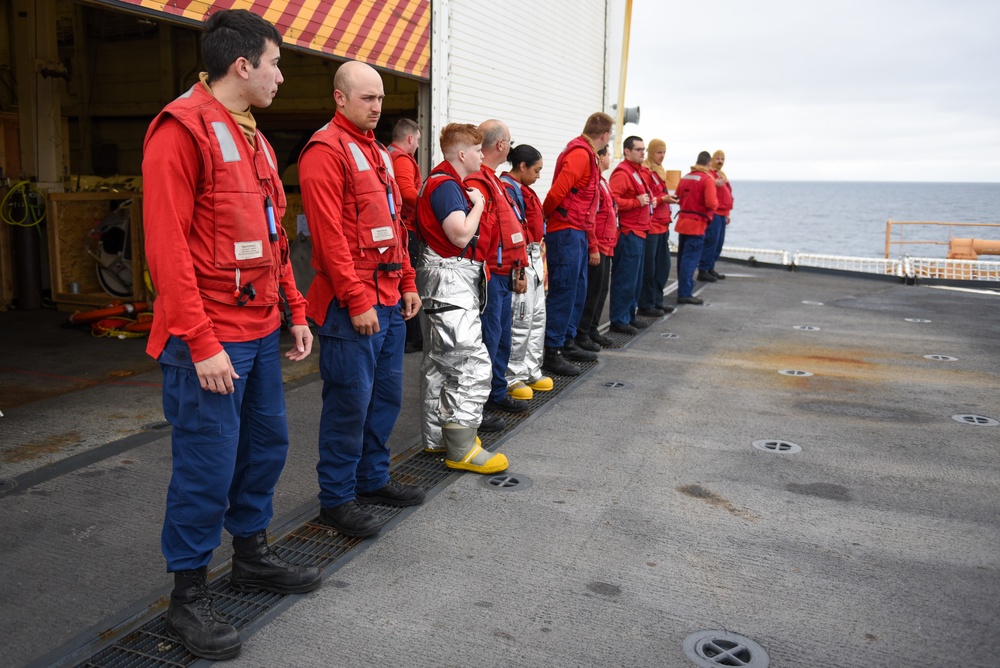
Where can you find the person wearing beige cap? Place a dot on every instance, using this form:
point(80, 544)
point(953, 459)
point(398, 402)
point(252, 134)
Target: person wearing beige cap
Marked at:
point(656, 264)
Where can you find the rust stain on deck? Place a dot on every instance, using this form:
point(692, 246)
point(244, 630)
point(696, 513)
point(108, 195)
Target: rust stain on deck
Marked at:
point(713, 499)
point(29, 451)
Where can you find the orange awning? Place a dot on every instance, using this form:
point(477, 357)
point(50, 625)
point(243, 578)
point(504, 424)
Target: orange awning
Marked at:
point(391, 34)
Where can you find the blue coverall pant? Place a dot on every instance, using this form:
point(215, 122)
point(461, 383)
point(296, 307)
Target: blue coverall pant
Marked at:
point(228, 449)
point(497, 320)
point(566, 256)
point(362, 396)
point(626, 277)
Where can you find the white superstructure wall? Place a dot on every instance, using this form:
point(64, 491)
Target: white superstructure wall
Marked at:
point(541, 66)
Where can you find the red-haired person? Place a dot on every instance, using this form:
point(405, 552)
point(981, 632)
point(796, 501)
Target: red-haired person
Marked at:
point(456, 369)
point(524, 369)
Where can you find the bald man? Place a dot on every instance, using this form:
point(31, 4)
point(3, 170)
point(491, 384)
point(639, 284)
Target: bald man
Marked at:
point(363, 293)
point(506, 259)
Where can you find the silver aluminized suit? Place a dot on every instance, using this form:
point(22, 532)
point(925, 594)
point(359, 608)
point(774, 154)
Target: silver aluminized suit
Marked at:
point(456, 370)
point(527, 332)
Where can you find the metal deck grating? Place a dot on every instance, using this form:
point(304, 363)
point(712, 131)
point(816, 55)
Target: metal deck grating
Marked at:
point(310, 543)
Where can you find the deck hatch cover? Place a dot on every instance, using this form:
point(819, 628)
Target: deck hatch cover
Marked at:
point(941, 358)
point(616, 385)
point(806, 328)
point(795, 372)
point(978, 420)
point(506, 482)
point(916, 320)
point(722, 648)
point(669, 335)
point(777, 445)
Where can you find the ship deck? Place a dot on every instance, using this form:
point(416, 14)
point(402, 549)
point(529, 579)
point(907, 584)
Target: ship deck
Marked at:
point(683, 485)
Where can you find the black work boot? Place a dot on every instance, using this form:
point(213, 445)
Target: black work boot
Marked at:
point(554, 362)
point(256, 567)
point(191, 619)
point(600, 339)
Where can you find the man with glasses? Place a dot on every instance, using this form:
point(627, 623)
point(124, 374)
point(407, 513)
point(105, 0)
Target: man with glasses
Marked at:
point(635, 208)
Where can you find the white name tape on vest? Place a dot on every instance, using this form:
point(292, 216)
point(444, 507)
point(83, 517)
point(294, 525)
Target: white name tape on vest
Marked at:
point(249, 250)
point(516, 238)
point(381, 233)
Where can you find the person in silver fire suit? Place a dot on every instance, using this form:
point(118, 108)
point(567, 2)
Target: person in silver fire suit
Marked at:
point(456, 369)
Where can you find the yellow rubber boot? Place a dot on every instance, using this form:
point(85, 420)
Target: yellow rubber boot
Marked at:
point(519, 391)
point(466, 453)
point(543, 384)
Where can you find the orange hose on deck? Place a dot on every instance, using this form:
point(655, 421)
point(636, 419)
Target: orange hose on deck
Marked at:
point(86, 317)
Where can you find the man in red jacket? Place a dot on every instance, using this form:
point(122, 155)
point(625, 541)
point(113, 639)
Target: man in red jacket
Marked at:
point(635, 207)
point(698, 200)
point(218, 256)
point(570, 208)
point(715, 235)
point(363, 292)
point(405, 142)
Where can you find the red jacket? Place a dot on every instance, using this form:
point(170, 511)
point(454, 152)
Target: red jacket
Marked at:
point(204, 220)
point(407, 173)
point(696, 192)
point(571, 202)
point(725, 195)
point(507, 241)
point(351, 201)
point(626, 185)
point(534, 218)
point(660, 220)
point(429, 227)
point(606, 225)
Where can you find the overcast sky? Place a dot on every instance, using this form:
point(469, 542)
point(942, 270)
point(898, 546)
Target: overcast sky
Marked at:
point(883, 90)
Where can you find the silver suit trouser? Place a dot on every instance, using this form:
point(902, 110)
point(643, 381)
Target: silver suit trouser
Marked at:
point(527, 332)
point(456, 370)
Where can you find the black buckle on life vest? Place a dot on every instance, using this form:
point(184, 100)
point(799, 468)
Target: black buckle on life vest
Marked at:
point(245, 294)
point(384, 266)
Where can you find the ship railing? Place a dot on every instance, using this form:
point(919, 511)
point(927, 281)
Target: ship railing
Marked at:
point(766, 255)
point(864, 265)
point(907, 267)
point(955, 270)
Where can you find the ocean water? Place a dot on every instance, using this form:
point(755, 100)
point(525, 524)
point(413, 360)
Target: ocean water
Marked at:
point(849, 218)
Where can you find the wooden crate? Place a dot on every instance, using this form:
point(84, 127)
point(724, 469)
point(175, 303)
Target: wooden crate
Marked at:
point(70, 217)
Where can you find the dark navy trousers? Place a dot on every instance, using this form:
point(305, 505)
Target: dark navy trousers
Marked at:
point(362, 396)
point(497, 319)
point(228, 450)
point(566, 256)
point(715, 235)
point(689, 249)
point(656, 270)
point(626, 277)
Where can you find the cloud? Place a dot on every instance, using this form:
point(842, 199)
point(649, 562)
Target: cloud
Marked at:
point(889, 90)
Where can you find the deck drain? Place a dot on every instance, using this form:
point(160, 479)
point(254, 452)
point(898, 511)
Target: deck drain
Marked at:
point(156, 426)
point(806, 328)
point(670, 335)
point(616, 384)
point(977, 420)
point(811, 303)
point(775, 445)
point(723, 648)
point(507, 482)
point(794, 372)
point(941, 358)
point(915, 320)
